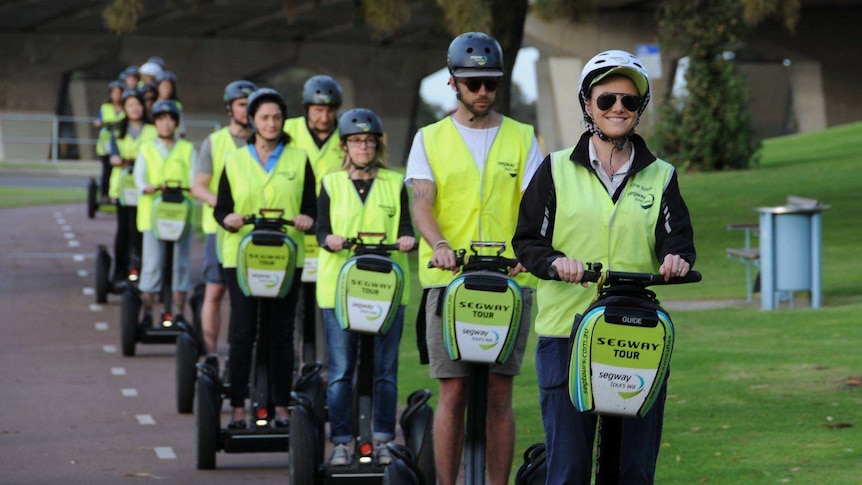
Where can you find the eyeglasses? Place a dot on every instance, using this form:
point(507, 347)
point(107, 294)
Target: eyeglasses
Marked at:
point(606, 101)
point(474, 84)
point(356, 142)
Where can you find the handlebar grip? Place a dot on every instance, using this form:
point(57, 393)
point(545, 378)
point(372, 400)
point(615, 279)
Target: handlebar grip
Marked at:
point(589, 276)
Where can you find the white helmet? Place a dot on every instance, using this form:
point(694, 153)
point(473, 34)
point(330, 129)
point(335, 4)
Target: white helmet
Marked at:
point(150, 69)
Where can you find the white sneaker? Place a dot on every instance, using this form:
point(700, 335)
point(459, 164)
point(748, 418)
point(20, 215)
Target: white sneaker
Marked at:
point(340, 455)
point(383, 456)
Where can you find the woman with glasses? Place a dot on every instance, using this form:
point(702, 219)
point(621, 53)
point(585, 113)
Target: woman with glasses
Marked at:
point(363, 196)
point(607, 199)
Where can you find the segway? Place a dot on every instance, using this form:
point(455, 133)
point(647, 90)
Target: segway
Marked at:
point(617, 382)
point(369, 290)
point(172, 212)
point(265, 270)
point(481, 317)
point(103, 282)
point(94, 202)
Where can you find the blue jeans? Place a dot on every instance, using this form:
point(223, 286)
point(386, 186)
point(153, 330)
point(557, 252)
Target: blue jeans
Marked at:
point(569, 434)
point(342, 363)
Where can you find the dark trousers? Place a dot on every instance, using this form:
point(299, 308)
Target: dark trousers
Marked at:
point(569, 434)
point(128, 241)
point(278, 336)
point(106, 174)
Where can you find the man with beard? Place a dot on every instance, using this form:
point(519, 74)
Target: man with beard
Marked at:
point(214, 151)
point(467, 173)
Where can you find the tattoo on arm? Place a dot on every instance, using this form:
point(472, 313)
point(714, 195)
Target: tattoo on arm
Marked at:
point(424, 190)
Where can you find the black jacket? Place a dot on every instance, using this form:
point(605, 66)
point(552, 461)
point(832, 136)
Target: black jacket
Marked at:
point(537, 215)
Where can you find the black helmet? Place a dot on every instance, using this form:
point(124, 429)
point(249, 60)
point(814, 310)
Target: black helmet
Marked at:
point(166, 76)
point(257, 98)
point(143, 88)
point(168, 106)
point(116, 84)
point(475, 54)
point(237, 90)
point(321, 89)
point(359, 120)
point(132, 93)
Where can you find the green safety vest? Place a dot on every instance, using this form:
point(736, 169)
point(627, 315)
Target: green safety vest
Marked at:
point(159, 170)
point(381, 213)
point(128, 148)
point(325, 159)
point(222, 145)
point(590, 227)
point(471, 206)
point(108, 116)
point(252, 189)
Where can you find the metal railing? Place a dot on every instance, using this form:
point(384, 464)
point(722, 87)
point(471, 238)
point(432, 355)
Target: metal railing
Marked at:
point(64, 132)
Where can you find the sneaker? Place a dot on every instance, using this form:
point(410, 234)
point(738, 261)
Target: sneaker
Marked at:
point(212, 362)
point(340, 455)
point(147, 321)
point(180, 322)
point(382, 455)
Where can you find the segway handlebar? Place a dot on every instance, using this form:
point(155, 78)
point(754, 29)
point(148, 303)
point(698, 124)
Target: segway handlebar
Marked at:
point(495, 262)
point(594, 273)
point(268, 219)
point(359, 246)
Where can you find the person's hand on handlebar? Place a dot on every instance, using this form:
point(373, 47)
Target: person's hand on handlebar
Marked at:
point(569, 270)
point(116, 160)
point(444, 257)
point(149, 189)
point(406, 243)
point(302, 222)
point(234, 221)
point(335, 243)
point(519, 268)
point(674, 266)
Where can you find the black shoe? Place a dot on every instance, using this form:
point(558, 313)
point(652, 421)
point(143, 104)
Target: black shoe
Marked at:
point(181, 323)
point(281, 423)
point(237, 424)
point(147, 321)
point(212, 362)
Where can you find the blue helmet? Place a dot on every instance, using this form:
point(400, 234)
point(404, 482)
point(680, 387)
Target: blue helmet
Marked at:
point(238, 89)
point(475, 54)
point(258, 97)
point(116, 84)
point(166, 76)
point(359, 120)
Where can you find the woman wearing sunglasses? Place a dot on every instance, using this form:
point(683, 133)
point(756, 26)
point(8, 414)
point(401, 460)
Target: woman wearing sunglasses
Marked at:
point(607, 199)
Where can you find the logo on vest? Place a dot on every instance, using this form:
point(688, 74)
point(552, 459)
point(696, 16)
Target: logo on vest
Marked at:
point(509, 167)
point(644, 200)
point(388, 209)
point(288, 175)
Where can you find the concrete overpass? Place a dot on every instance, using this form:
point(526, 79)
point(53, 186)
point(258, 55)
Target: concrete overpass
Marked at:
point(56, 56)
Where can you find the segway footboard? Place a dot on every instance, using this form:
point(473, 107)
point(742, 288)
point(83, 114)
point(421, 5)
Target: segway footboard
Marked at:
point(620, 352)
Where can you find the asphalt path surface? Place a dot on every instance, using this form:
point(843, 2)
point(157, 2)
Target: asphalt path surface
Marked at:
point(72, 408)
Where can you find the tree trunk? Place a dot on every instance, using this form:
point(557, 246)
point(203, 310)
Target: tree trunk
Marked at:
point(508, 17)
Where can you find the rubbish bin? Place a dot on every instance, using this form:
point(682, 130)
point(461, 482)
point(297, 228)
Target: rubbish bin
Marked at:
point(790, 251)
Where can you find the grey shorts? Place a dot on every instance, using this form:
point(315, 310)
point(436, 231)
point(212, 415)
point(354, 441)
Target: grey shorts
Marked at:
point(442, 367)
point(213, 271)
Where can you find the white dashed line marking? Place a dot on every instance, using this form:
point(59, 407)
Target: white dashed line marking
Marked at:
point(83, 273)
point(78, 258)
point(101, 326)
point(145, 419)
point(130, 392)
point(61, 221)
point(69, 235)
point(110, 349)
point(95, 307)
point(89, 291)
point(74, 243)
point(67, 228)
point(165, 453)
point(58, 215)
point(118, 371)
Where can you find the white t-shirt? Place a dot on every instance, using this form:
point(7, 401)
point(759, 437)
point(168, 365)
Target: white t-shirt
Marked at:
point(478, 142)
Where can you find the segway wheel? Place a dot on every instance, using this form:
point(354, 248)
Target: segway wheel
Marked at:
point(196, 302)
point(305, 447)
point(92, 192)
point(186, 372)
point(103, 267)
point(129, 311)
point(417, 422)
point(207, 417)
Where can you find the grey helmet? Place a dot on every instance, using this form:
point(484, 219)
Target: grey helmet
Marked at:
point(258, 97)
point(116, 84)
point(475, 54)
point(358, 121)
point(236, 90)
point(157, 60)
point(321, 89)
point(132, 93)
point(168, 106)
point(166, 76)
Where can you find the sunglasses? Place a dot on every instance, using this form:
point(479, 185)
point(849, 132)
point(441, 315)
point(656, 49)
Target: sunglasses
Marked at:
point(606, 101)
point(474, 84)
